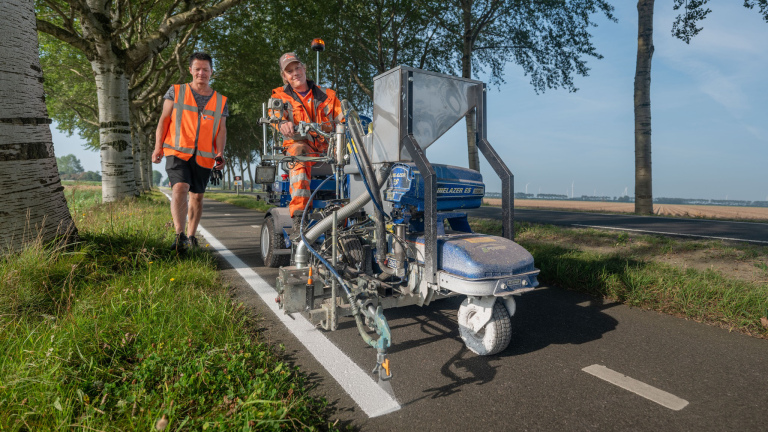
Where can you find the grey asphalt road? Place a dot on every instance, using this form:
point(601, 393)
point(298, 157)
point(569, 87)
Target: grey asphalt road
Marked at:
point(538, 382)
point(753, 232)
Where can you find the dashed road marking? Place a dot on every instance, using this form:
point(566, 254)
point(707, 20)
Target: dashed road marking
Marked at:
point(640, 388)
point(372, 399)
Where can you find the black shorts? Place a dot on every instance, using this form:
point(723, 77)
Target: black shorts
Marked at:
point(189, 172)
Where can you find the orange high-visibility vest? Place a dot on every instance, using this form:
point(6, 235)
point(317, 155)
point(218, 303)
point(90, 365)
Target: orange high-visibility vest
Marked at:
point(326, 107)
point(192, 132)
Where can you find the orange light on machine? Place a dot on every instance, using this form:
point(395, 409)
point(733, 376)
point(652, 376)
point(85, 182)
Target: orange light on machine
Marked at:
point(318, 44)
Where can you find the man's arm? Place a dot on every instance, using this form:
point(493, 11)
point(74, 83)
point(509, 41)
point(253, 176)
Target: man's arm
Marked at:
point(221, 142)
point(162, 128)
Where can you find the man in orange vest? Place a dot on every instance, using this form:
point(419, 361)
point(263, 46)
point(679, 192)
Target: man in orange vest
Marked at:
point(307, 102)
point(191, 133)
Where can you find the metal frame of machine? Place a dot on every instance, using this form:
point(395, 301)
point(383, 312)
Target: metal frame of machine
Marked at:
point(411, 244)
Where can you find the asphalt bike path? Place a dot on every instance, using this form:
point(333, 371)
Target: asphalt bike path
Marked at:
point(752, 232)
point(574, 363)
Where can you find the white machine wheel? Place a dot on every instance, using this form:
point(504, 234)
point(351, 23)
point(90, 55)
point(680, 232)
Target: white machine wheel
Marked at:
point(490, 339)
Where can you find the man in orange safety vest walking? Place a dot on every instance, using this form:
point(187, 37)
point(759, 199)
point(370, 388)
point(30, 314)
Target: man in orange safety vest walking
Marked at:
point(307, 102)
point(191, 134)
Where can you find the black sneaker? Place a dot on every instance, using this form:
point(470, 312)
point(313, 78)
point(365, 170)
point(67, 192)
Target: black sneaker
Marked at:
point(180, 243)
point(192, 242)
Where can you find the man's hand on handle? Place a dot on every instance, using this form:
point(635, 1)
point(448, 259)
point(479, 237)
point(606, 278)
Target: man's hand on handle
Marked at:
point(286, 128)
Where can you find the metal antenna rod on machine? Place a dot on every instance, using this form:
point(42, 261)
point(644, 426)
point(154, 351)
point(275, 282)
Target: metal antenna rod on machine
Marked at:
point(317, 46)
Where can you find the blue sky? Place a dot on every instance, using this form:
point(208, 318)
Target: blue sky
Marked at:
point(709, 103)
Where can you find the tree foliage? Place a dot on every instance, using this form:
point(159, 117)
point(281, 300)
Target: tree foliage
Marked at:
point(119, 38)
point(69, 164)
point(762, 6)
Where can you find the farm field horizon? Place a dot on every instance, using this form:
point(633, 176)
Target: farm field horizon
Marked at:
point(675, 210)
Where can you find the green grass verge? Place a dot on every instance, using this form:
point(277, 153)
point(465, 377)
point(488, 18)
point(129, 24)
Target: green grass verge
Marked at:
point(118, 333)
point(245, 201)
point(634, 279)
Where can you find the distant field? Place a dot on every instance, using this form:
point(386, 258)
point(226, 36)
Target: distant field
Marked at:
point(715, 212)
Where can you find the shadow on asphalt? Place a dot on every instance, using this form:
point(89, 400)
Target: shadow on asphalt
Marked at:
point(547, 316)
point(554, 316)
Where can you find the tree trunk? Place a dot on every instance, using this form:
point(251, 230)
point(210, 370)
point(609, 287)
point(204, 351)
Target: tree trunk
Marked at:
point(144, 154)
point(466, 72)
point(249, 162)
point(33, 200)
point(643, 177)
point(149, 145)
point(136, 149)
point(242, 172)
point(118, 179)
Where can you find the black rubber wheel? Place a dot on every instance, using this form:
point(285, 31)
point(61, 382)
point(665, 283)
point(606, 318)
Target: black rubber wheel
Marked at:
point(269, 239)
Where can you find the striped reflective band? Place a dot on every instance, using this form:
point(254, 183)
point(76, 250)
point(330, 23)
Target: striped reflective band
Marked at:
point(180, 149)
point(179, 107)
point(299, 177)
point(304, 193)
point(216, 120)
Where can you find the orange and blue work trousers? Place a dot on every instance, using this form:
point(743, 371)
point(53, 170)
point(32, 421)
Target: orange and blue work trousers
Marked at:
point(299, 177)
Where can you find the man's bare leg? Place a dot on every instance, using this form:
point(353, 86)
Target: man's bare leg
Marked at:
point(195, 211)
point(179, 206)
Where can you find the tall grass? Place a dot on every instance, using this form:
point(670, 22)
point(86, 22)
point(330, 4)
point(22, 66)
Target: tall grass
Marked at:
point(245, 201)
point(119, 333)
point(637, 280)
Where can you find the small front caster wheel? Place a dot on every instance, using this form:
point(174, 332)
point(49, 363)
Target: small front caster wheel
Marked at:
point(488, 339)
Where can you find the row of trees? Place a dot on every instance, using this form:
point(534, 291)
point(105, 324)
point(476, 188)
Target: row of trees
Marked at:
point(549, 40)
point(108, 62)
point(70, 168)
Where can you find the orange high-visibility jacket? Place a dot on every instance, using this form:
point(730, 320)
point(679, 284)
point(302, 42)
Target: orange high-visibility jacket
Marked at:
point(191, 130)
point(325, 107)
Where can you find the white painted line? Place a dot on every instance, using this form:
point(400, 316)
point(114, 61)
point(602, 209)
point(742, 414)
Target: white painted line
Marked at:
point(670, 233)
point(255, 226)
point(372, 399)
point(651, 393)
point(227, 214)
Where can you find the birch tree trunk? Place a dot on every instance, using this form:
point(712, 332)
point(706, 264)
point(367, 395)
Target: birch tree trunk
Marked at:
point(118, 178)
point(33, 203)
point(643, 177)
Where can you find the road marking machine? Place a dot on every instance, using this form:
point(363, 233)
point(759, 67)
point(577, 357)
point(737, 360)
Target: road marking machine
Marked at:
point(387, 227)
